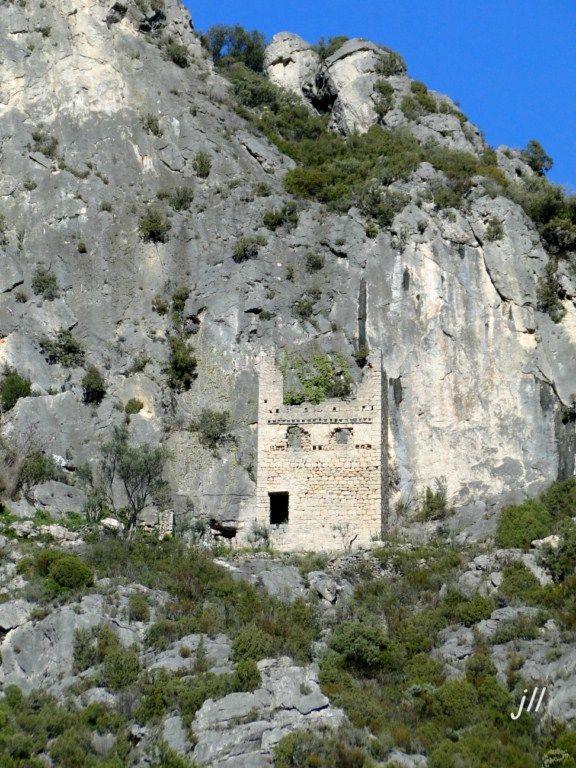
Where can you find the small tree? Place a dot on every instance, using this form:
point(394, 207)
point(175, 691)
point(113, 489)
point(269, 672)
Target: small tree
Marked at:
point(230, 45)
point(140, 470)
point(93, 386)
point(537, 157)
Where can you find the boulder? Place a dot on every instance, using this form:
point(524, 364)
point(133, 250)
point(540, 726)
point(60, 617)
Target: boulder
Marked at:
point(13, 614)
point(290, 62)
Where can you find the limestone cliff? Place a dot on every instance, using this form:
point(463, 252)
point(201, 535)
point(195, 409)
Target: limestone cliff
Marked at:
point(106, 110)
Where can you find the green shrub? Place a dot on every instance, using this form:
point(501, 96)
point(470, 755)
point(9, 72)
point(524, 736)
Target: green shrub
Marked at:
point(252, 643)
point(85, 655)
point(520, 524)
point(277, 217)
point(382, 205)
point(121, 668)
point(364, 648)
point(519, 585)
point(202, 164)
point(561, 562)
point(548, 293)
point(457, 701)
point(12, 388)
point(247, 247)
point(326, 48)
point(93, 386)
point(181, 370)
point(38, 468)
point(138, 609)
point(64, 349)
point(154, 226)
point(69, 572)
point(520, 628)
point(314, 262)
point(212, 428)
point(560, 498)
point(182, 198)
point(44, 284)
point(176, 52)
point(152, 125)
point(179, 299)
point(391, 63)
point(435, 504)
point(384, 97)
point(133, 406)
point(456, 608)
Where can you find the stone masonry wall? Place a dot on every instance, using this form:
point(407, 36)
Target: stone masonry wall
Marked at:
point(327, 457)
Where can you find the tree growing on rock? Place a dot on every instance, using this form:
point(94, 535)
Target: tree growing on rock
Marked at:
point(139, 468)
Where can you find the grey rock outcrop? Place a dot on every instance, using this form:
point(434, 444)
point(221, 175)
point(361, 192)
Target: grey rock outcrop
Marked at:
point(242, 729)
point(290, 62)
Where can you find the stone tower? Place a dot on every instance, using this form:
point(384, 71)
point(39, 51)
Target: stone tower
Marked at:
point(322, 474)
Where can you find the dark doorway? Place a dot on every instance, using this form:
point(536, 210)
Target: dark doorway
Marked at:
point(278, 508)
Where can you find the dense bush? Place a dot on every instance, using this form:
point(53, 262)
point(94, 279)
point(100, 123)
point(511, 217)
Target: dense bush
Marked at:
point(133, 406)
point(138, 609)
point(12, 388)
point(154, 226)
point(520, 524)
point(64, 349)
point(181, 370)
point(62, 571)
point(519, 585)
point(93, 386)
point(364, 648)
point(549, 292)
point(45, 284)
point(121, 667)
point(435, 503)
point(38, 468)
point(314, 262)
point(233, 44)
point(561, 562)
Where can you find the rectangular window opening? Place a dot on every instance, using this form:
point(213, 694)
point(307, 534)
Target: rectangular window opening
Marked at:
point(278, 508)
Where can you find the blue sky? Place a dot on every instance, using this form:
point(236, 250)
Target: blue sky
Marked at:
point(511, 64)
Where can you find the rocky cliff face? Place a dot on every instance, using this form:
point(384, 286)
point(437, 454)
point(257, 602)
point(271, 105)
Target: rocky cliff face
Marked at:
point(106, 111)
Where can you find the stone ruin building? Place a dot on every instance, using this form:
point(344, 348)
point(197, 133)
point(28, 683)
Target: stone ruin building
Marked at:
point(321, 481)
